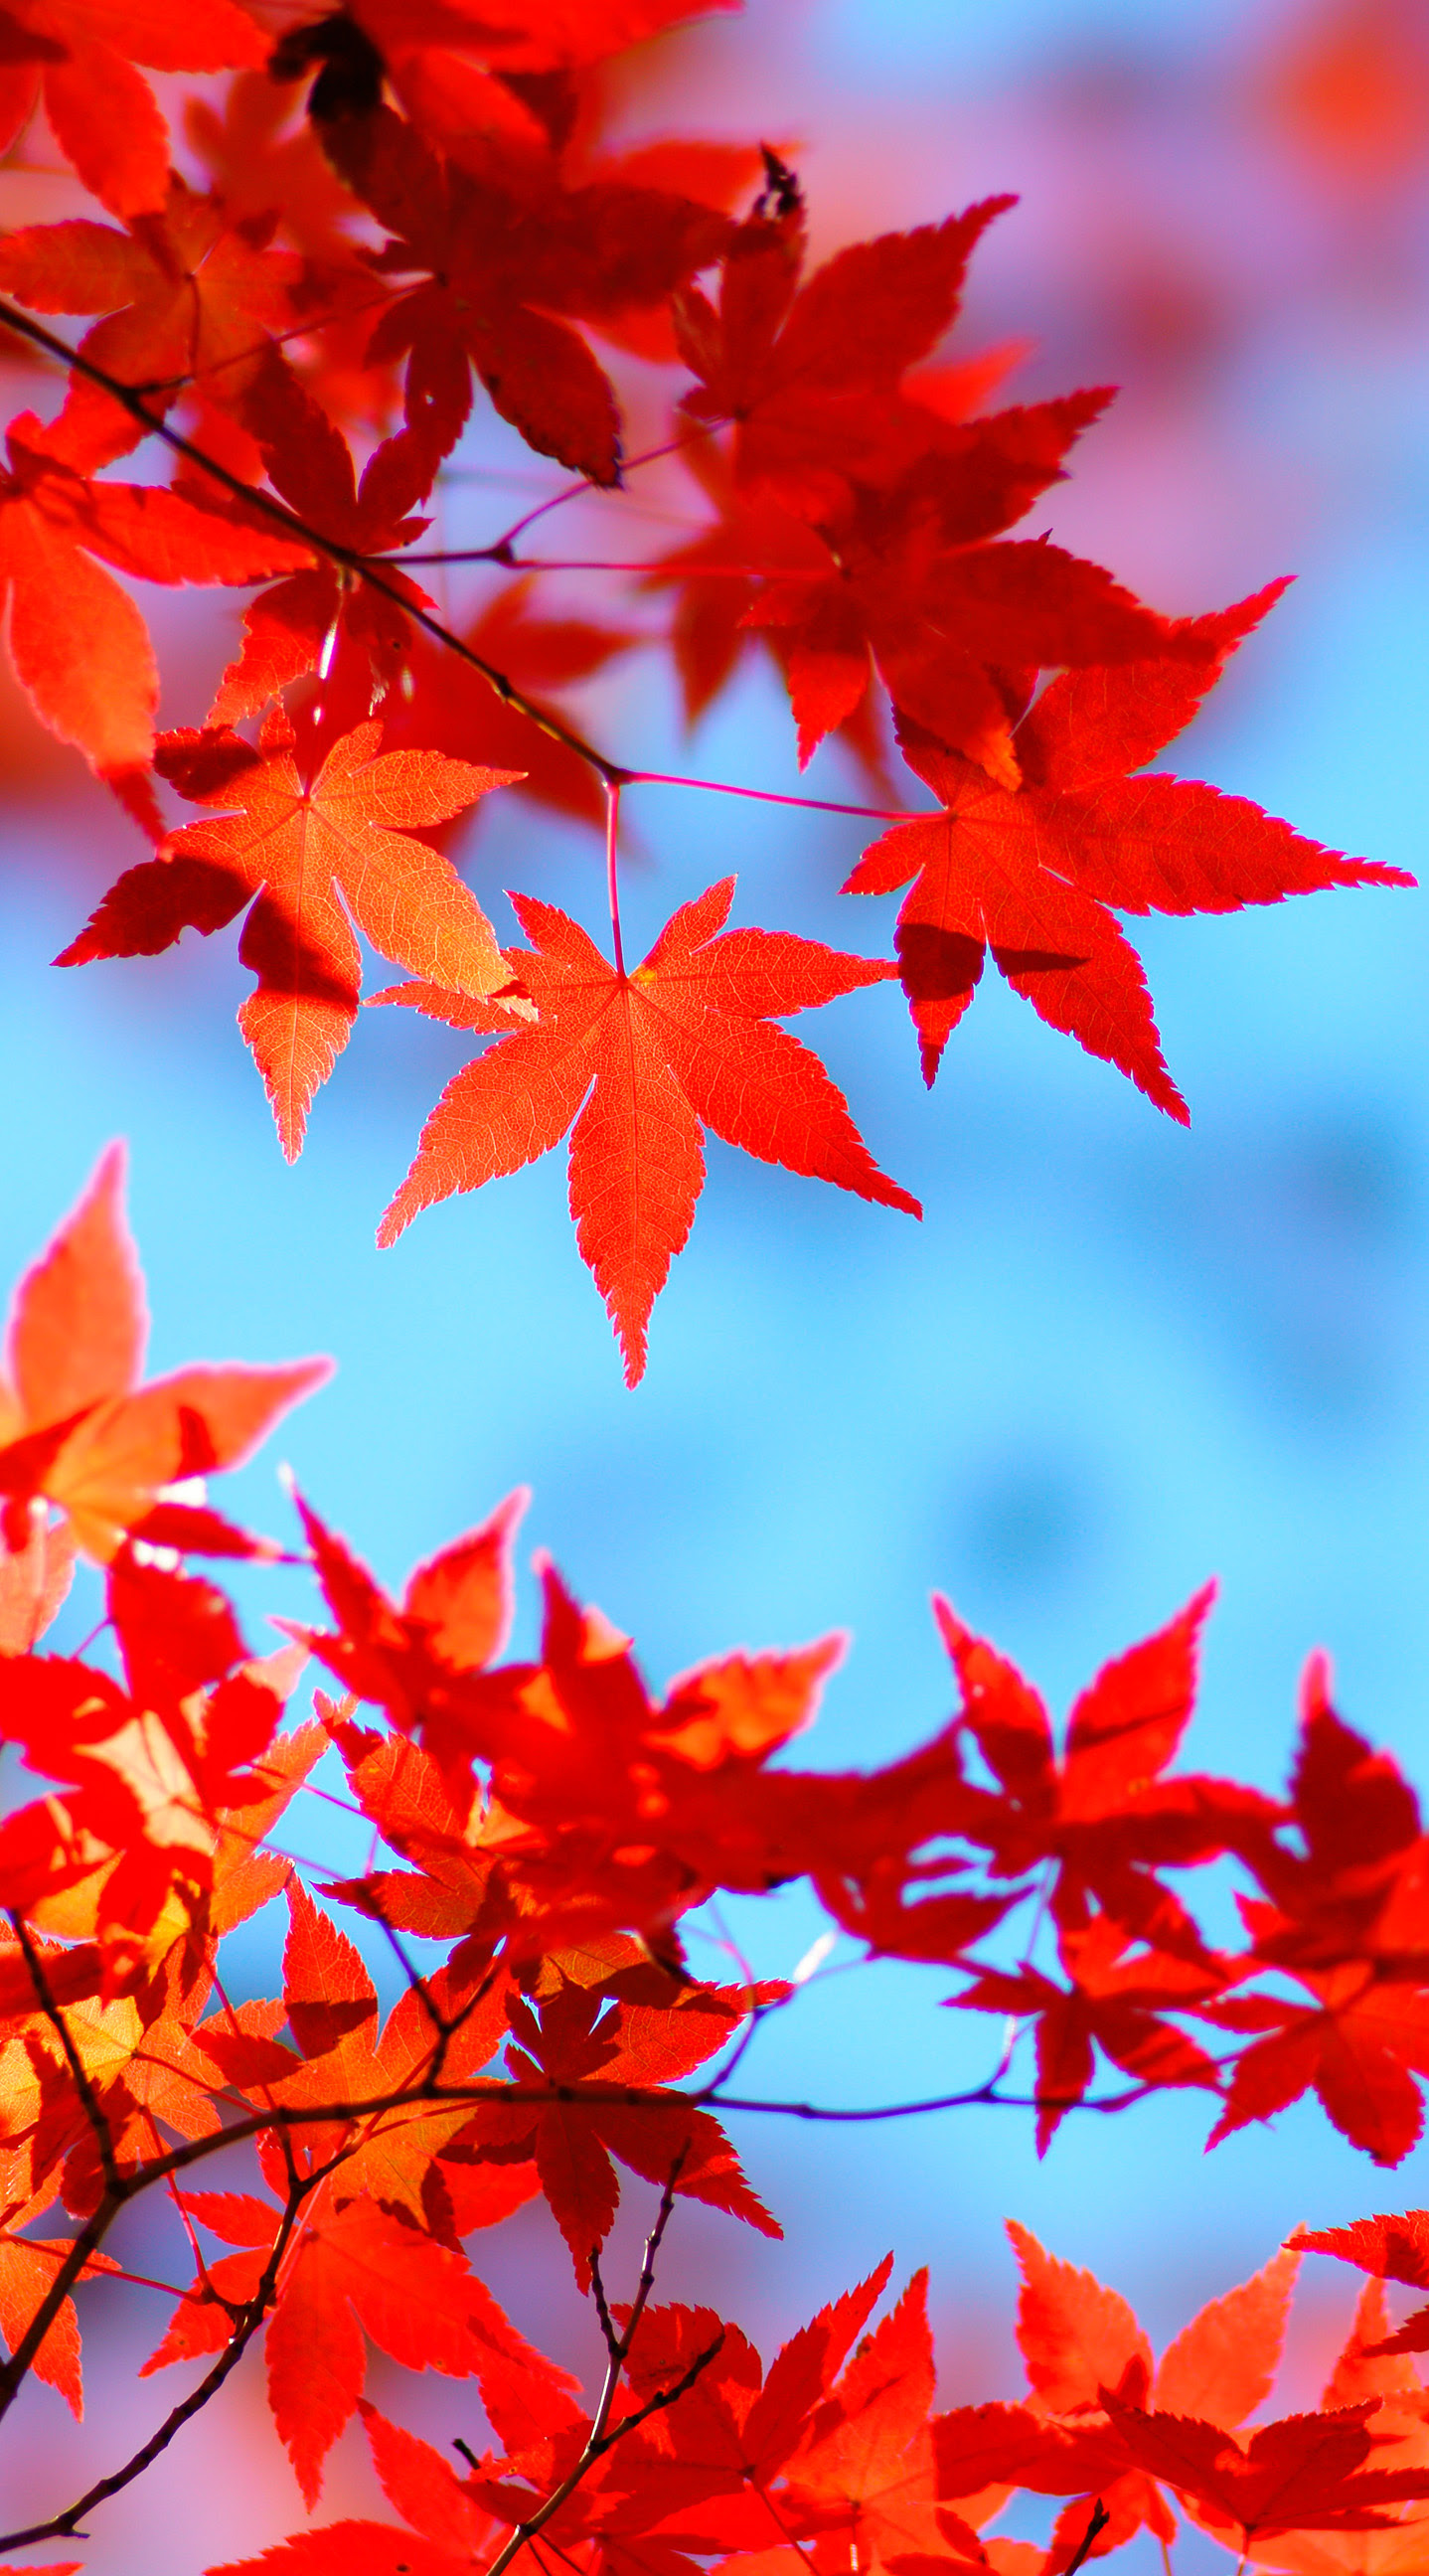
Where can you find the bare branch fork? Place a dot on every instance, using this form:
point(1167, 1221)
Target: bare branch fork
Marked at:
point(601, 2437)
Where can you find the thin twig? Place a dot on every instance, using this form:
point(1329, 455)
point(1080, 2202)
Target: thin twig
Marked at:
point(1097, 2525)
point(268, 507)
point(601, 2438)
point(89, 2099)
point(573, 491)
point(768, 796)
point(602, 2304)
point(64, 2526)
point(612, 870)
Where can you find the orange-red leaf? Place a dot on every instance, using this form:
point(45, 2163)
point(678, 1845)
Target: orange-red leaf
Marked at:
point(640, 1062)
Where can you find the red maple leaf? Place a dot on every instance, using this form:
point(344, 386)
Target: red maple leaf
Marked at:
point(320, 616)
point(318, 856)
point(102, 112)
point(1301, 2473)
point(190, 300)
point(356, 2270)
point(1035, 872)
point(1347, 1919)
point(77, 1429)
point(450, 2527)
point(396, 2155)
point(626, 2033)
point(1100, 1811)
point(505, 257)
point(687, 1039)
point(1389, 2249)
point(1077, 2338)
point(811, 374)
point(79, 645)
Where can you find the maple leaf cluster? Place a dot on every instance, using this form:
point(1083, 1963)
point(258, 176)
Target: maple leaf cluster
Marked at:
point(547, 1828)
point(363, 226)
point(384, 216)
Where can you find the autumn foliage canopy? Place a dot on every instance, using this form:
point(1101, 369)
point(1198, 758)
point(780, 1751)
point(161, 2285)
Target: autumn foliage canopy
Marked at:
point(406, 212)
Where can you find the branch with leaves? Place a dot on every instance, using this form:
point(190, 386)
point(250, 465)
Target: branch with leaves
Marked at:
point(555, 1831)
point(849, 508)
point(382, 219)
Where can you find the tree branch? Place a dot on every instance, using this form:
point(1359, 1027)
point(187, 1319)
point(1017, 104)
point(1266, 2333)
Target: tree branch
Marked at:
point(1100, 2519)
point(600, 2439)
point(65, 2526)
point(346, 557)
point(79, 2074)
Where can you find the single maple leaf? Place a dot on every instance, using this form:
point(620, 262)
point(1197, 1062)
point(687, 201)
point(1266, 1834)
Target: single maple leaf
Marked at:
point(1035, 872)
point(358, 2268)
point(864, 2481)
point(77, 1428)
point(811, 374)
point(505, 257)
point(388, 2154)
point(1347, 1919)
point(1100, 1812)
point(1301, 2473)
point(587, 2052)
point(102, 112)
point(79, 645)
point(740, 2423)
point(319, 856)
point(1400, 2426)
point(687, 1039)
point(1351, 1883)
point(191, 299)
point(1389, 2249)
point(1115, 2002)
point(423, 1662)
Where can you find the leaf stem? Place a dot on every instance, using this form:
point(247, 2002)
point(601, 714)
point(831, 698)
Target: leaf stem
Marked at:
point(769, 796)
point(612, 869)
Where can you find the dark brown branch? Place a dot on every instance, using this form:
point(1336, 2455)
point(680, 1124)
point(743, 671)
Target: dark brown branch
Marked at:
point(421, 2096)
point(600, 2438)
point(346, 557)
point(602, 2306)
point(1097, 2525)
point(65, 2526)
point(665, 2397)
point(89, 2099)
